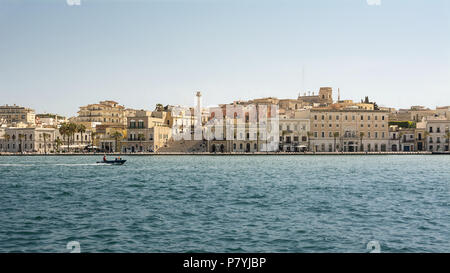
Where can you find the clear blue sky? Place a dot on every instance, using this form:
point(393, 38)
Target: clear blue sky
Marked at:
point(55, 57)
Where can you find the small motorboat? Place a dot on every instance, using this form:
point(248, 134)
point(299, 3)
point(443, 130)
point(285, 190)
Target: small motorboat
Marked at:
point(112, 162)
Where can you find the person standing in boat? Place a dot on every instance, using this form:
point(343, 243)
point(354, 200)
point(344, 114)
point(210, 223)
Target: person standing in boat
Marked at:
point(104, 158)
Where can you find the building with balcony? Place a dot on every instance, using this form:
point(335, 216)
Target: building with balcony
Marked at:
point(13, 115)
point(147, 132)
point(349, 130)
point(437, 133)
point(108, 113)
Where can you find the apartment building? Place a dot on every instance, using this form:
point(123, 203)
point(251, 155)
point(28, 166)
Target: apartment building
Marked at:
point(349, 130)
point(403, 139)
point(294, 134)
point(108, 113)
point(12, 115)
point(437, 133)
point(147, 132)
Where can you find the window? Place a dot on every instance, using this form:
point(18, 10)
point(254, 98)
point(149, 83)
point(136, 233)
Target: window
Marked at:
point(323, 134)
point(431, 129)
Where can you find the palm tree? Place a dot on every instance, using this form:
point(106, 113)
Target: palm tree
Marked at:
point(93, 137)
point(45, 136)
point(117, 135)
point(140, 138)
point(335, 136)
point(20, 143)
point(58, 143)
point(400, 135)
point(64, 131)
point(72, 130)
point(81, 129)
point(361, 136)
point(309, 134)
point(447, 136)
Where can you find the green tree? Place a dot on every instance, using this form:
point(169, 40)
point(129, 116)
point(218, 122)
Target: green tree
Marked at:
point(361, 137)
point(141, 137)
point(335, 136)
point(72, 130)
point(93, 137)
point(64, 131)
point(400, 135)
point(309, 135)
point(58, 143)
point(117, 137)
point(81, 129)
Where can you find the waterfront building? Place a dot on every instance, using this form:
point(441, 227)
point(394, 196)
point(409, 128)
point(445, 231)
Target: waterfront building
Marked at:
point(294, 133)
point(147, 131)
point(28, 140)
point(245, 134)
point(349, 130)
point(437, 133)
point(12, 115)
point(402, 139)
point(108, 113)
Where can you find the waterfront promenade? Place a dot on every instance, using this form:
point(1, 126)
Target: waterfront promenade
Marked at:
point(225, 154)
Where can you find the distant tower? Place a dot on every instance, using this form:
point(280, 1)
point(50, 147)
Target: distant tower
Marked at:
point(339, 95)
point(198, 117)
point(199, 97)
point(326, 95)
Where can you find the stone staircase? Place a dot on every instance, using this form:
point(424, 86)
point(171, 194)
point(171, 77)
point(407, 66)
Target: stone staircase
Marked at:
point(184, 146)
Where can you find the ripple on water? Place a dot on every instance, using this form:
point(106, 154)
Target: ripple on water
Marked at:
point(225, 204)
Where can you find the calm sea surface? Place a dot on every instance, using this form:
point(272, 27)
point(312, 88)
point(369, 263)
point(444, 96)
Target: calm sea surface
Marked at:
point(226, 204)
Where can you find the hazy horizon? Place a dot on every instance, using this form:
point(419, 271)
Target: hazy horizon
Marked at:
point(56, 57)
